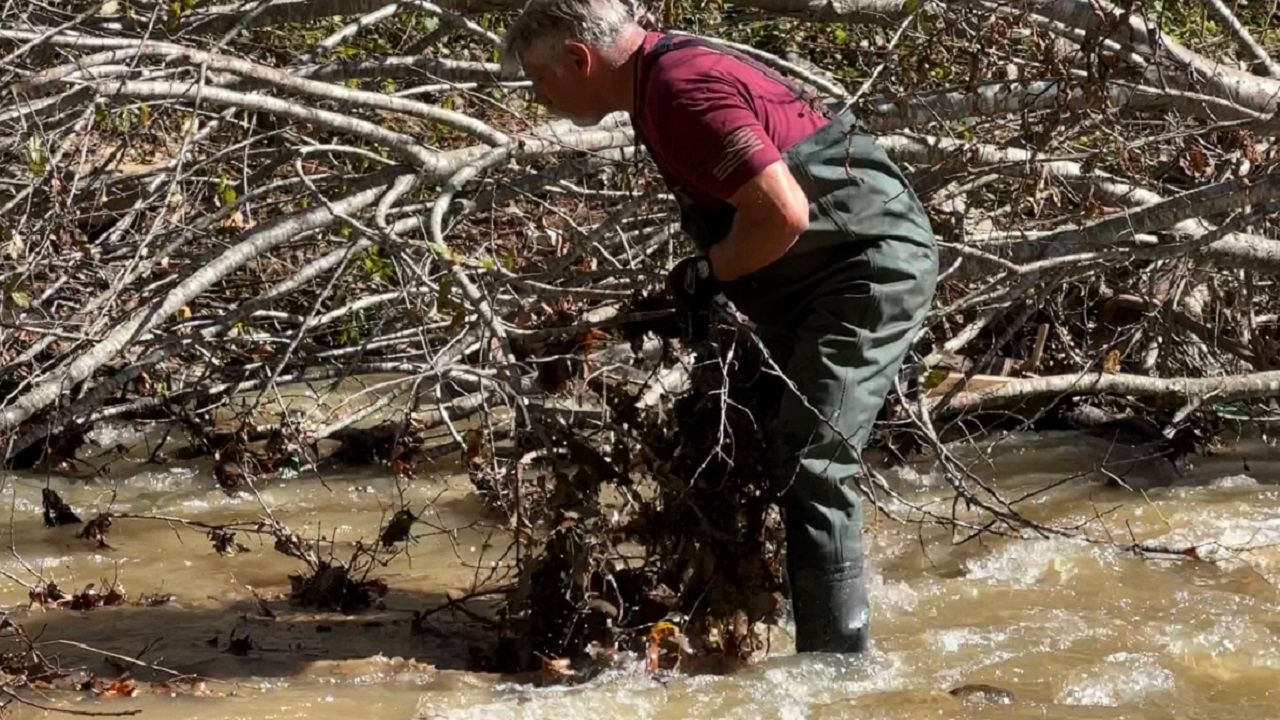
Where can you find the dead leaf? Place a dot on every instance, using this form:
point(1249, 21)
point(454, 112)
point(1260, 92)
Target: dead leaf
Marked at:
point(660, 631)
point(56, 511)
point(96, 530)
point(237, 221)
point(557, 671)
point(1196, 163)
point(49, 594)
point(92, 597)
point(225, 543)
point(398, 529)
point(118, 689)
point(1111, 364)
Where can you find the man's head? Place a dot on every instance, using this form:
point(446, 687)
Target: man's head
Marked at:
point(573, 52)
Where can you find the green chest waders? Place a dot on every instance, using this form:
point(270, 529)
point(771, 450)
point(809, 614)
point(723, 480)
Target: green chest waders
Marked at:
point(838, 314)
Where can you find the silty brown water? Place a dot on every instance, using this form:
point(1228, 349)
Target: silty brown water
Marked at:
point(1070, 629)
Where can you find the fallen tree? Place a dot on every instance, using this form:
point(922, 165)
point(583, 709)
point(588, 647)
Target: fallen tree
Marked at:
point(202, 204)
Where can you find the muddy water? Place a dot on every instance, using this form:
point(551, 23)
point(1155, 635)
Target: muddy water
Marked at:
point(1070, 629)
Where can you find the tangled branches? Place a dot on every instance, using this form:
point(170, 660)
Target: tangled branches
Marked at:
point(201, 207)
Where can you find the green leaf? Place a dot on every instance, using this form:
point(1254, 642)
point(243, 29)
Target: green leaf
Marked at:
point(144, 114)
point(910, 6)
point(16, 247)
point(226, 192)
point(20, 298)
point(37, 158)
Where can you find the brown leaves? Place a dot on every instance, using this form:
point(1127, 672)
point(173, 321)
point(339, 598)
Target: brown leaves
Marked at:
point(91, 597)
point(57, 512)
point(51, 596)
point(96, 529)
point(1111, 363)
point(47, 595)
point(408, 458)
point(225, 543)
point(557, 671)
point(1196, 163)
point(398, 529)
point(663, 632)
point(121, 688)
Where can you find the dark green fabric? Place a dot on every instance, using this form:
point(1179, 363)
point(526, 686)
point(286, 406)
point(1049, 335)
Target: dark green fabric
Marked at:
point(838, 313)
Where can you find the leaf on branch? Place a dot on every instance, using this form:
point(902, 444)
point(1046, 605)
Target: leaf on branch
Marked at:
point(96, 530)
point(56, 511)
point(48, 594)
point(37, 157)
point(1111, 363)
point(557, 671)
point(226, 192)
point(91, 597)
point(121, 688)
point(225, 543)
point(1196, 163)
point(398, 529)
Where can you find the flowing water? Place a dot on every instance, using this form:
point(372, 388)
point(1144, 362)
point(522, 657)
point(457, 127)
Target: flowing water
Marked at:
point(1069, 629)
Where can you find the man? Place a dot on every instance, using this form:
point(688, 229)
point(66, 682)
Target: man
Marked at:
point(804, 224)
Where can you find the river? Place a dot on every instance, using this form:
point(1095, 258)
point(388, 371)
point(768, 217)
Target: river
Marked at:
point(1069, 629)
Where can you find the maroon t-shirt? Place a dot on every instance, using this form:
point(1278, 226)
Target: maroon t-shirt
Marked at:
point(713, 121)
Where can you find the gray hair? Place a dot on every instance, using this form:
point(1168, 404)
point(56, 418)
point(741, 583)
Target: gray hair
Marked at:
point(544, 24)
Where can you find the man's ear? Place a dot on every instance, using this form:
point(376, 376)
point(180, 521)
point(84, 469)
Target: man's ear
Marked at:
point(579, 56)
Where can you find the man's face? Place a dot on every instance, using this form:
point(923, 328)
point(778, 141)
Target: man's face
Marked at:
point(565, 85)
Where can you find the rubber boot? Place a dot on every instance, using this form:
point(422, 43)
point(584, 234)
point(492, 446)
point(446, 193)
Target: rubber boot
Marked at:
point(830, 609)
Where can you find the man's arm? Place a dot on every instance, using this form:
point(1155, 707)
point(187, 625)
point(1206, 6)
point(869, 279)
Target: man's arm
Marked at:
point(772, 211)
point(716, 142)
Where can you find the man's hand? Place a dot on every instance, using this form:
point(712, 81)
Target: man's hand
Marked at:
point(692, 283)
point(772, 211)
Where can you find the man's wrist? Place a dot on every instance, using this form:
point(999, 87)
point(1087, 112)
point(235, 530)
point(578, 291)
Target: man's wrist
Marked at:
point(719, 262)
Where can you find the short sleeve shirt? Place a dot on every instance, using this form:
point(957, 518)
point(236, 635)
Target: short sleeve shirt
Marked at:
point(713, 121)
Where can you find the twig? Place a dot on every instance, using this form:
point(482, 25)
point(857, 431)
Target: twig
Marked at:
point(1244, 38)
point(66, 711)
